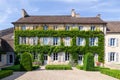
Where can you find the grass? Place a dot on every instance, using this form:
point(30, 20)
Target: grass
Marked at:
point(17, 68)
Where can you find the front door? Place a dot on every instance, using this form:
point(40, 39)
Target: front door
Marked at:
point(45, 59)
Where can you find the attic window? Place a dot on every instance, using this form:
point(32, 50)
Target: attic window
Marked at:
point(23, 27)
point(45, 27)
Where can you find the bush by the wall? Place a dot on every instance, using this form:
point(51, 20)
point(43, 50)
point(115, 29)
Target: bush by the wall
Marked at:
point(58, 67)
point(5, 73)
point(113, 73)
point(88, 62)
point(79, 67)
point(26, 62)
point(41, 57)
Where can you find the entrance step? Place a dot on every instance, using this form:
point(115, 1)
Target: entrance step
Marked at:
point(42, 67)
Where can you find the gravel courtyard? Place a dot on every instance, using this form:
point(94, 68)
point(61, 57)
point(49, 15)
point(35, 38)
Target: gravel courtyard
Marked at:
point(74, 74)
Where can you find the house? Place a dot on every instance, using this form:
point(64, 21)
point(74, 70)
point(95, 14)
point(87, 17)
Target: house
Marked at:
point(6, 47)
point(112, 40)
point(62, 39)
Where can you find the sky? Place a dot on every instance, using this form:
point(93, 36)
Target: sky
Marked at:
point(10, 10)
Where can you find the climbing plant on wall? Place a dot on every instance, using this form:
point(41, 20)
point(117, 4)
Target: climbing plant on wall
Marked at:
point(74, 50)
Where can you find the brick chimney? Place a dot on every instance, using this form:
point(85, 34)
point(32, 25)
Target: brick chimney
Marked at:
point(73, 13)
point(24, 13)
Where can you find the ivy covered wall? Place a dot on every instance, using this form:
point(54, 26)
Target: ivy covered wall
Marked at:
point(74, 50)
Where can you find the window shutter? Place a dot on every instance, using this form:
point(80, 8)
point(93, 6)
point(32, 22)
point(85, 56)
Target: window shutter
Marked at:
point(63, 57)
point(58, 41)
point(84, 42)
point(117, 57)
point(96, 41)
point(41, 40)
point(89, 41)
point(117, 42)
point(52, 57)
point(36, 40)
point(108, 57)
point(108, 41)
point(77, 41)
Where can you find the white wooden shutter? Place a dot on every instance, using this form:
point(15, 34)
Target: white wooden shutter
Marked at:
point(64, 57)
point(96, 41)
point(116, 42)
point(117, 57)
point(52, 57)
point(36, 40)
point(108, 41)
point(109, 57)
point(41, 40)
point(59, 41)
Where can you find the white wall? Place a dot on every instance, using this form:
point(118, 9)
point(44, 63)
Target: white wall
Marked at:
point(112, 49)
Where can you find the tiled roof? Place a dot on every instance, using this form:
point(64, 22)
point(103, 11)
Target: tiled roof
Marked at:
point(113, 26)
point(7, 42)
point(59, 19)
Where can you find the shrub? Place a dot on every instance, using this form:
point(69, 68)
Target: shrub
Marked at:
point(14, 68)
point(58, 67)
point(113, 73)
point(88, 62)
point(79, 67)
point(35, 67)
point(5, 73)
point(26, 62)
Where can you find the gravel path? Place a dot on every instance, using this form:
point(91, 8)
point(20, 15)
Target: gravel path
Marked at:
point(74, 74)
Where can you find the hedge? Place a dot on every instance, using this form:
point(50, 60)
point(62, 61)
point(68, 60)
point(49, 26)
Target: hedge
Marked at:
point(58, 67)
point(79, 67)
point(5, 73)
point(26, 62)
point(113, 73)
point(88, 62)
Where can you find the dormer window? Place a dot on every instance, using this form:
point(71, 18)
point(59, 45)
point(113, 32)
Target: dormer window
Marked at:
point(23, 27)
point(67, 28)
point(80, 28)
point(92, 28)
point(55, 27)
point(45, 27)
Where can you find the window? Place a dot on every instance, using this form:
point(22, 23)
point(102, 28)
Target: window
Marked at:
point(67, 28)
point(112, 41)
point(80, 41)
point(35, 56)
point(23, 27)
point(55, 41)
point(0, 57)
point(80, 57)
point(34, 41)
point(45, 57)
point(67, 41)
point(45, 27)
point(80, 28)
point(93, 41)
point(112, 56)
point(23, 40)
point(45, 41)
point(66, 56)
point(55, 56)
point(92, 28)
point(55, 28)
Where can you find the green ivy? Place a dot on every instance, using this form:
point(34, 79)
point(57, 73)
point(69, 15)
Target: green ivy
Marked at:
point(73, 50)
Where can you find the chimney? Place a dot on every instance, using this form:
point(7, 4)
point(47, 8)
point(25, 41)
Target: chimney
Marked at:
point(73, 14)
point(24, 13)
point(77, 15)
point(99, 15)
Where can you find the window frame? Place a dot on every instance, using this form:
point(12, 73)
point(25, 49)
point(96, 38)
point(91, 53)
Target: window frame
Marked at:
point(80, 28)
point(55, 40)
point(92, 28)
point(45, 27)
point(55, 56)
point(23, 27)
point(67, 56)
point(67, 28)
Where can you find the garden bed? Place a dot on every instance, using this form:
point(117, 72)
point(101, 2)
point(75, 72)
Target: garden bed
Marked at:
point(58, 67)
